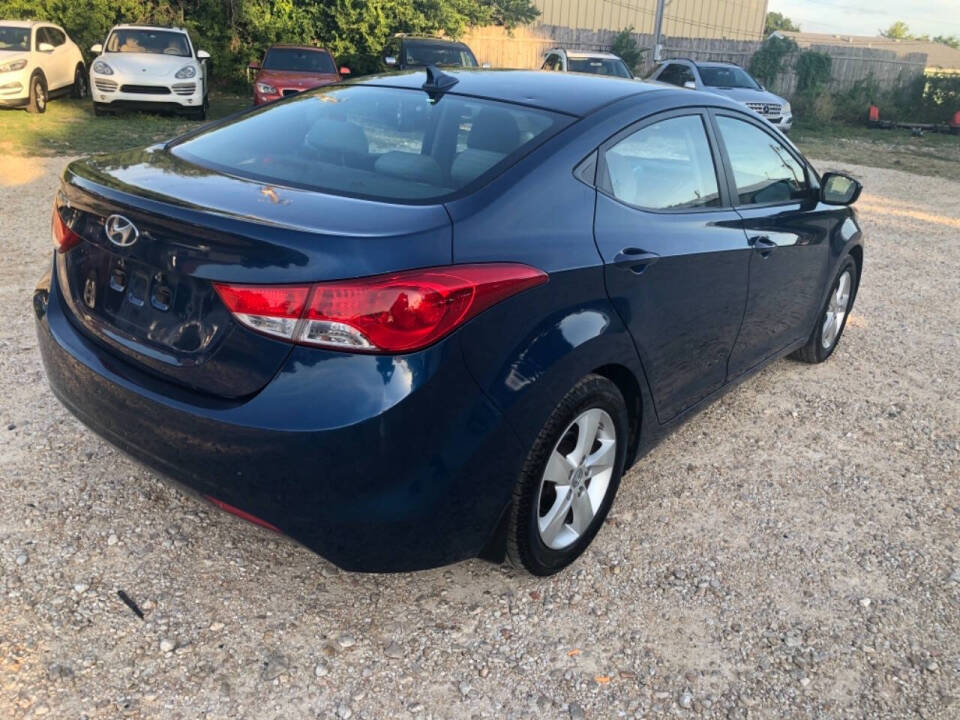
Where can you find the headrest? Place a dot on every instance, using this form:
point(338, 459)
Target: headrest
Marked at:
point(410, 166)
point(337, 136)
point(494, 130)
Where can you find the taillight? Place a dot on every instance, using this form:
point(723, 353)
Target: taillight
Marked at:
point(63, 237)
point(399, 312)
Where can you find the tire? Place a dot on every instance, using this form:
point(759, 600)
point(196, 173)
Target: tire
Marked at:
point(80, 89)
point(537, 499)
point(99, 109)
point(200, 114)
point(828, 330)
point(38, 95)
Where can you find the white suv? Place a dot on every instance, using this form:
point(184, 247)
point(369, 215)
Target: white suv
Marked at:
point(142, 67)
point(38, 61)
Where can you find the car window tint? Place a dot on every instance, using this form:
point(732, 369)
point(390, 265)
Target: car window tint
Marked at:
point(299, 60)
point(14, 38)
point(598, 66)
point(42, 37)
point(664, 166)
point(764, 170)
point(420, 54)
point(156, 42)
point(669, 74)
point(382, 143)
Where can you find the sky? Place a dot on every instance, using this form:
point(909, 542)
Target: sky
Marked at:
point(866, 17)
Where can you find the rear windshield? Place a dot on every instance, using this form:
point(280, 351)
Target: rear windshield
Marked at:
point(438, 54)
point(727, 77)
point(14, 38)
point(296, 60)
point(381, 143)
point(598, 66)
point(155, 42)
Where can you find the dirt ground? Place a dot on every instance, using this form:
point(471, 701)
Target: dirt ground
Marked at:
point(792, 551)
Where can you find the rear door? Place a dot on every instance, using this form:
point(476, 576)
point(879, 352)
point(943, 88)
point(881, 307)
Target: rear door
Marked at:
point(776, 199)
point(676, 258)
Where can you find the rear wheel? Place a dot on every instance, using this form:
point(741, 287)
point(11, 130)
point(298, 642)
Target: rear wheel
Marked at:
point(570, 478)
point(38, 95)
point(79, 83)
point(833, 317)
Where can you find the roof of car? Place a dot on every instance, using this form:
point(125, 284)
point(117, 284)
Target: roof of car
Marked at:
point(585, 54)
point(570, 93)
point(295, 46)
point(22, 23)
point(428, 39)
point(125, 26)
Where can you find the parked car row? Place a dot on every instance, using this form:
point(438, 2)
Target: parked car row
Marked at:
point(146, 67)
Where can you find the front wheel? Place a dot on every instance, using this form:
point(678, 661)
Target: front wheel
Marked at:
point(38, 95)
point(833, 317)
point(569, 479)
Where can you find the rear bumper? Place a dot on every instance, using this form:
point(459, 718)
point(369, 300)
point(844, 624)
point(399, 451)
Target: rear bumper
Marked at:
point(376, 463)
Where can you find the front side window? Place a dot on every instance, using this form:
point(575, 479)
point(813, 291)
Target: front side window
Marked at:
point(550, 63)
point(14, 38)
point(599, 66)
point(299, 60)
point(154, 42)
point(422, 54)
point(764, 170)
point(664, 166)
point(727, 77)
point(382, 143)
point(55, 37)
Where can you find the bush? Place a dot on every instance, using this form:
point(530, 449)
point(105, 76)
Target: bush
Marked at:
point(813, 70)
point(625, 46)
point(767, 62)
point(235, 32)
point(823, 108)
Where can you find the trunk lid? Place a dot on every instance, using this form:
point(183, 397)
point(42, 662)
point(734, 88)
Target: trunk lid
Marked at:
point(152, 301)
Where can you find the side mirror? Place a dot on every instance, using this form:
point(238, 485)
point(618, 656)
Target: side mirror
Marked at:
point(203, 55)
point(45, 47)
point(690, 85)
point(344, 70)
point(839, 189)
point(98, 48)
point(390, 60)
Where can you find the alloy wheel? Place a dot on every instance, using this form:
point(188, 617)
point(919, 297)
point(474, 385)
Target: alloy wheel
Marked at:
point(41, 95)
point(837, 307)
point(576, 478)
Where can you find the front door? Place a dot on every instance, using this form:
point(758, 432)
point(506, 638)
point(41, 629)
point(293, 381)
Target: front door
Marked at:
point(790, 241)
point(675, 255)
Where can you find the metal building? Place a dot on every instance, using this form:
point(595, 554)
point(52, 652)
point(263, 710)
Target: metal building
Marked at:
point(730, 19)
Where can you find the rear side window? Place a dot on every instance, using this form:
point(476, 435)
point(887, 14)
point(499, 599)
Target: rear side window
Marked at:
point(763, 168)
point(382, 143)
point(664, 166)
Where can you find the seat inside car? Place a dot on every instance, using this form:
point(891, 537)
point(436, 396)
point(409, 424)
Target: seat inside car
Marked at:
point(338, 142)
point(493, 135)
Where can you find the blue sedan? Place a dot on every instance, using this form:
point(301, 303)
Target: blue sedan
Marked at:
point(423, 317)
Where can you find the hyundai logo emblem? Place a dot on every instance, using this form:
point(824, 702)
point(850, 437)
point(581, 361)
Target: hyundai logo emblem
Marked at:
point(120, 231)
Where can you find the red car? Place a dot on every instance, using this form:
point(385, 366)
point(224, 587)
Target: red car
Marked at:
point(290, 69)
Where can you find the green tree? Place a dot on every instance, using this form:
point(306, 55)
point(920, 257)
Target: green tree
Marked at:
point(897, 31)
point(777, 21)
point(238, 31)
point(951, 40)
point(625, 45)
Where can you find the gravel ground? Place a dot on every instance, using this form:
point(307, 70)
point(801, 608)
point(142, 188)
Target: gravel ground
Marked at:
point(794, 550)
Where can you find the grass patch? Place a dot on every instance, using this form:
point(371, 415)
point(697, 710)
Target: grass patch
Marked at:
point(69, 127)
point(933, 154)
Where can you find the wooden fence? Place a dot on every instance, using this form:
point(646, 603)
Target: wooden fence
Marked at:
point(524, 48)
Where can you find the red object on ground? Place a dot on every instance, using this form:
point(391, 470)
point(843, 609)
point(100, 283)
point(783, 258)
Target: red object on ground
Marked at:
point(241, 514)
point(290, 69)
point(873, 114)
point(956, 120)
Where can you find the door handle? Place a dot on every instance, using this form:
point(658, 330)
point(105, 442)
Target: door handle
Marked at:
point(763, 244)
point(635, 259)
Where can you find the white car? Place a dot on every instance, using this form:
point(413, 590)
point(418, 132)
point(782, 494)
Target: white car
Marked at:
point(38, 61)
point(143, 67)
